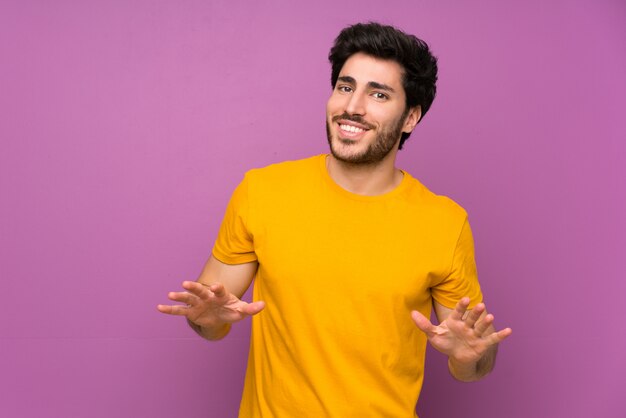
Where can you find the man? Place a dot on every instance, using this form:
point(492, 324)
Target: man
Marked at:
point(349, 254)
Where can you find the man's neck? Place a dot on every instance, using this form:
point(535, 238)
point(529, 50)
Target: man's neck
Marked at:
point(365, 179)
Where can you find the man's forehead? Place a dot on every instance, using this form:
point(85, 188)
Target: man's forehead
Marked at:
point(366, 69)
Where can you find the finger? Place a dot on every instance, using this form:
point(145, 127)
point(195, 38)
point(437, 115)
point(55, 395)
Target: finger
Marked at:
point(253, 308)
point(482, 326)
point(423, 323)
point(183, 297)
point(218, 289)
point(173, 309)
point(196, 288)
point(474, 315)
point(499, 336)
point(460, 308)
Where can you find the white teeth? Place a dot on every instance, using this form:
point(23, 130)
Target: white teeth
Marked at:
point(350, 128)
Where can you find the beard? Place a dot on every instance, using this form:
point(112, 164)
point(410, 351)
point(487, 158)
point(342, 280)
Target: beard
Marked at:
point(376, 151)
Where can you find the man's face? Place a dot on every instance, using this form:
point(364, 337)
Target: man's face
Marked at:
point(366, 113)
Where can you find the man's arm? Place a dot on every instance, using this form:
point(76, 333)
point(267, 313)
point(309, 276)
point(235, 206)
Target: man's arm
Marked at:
point(213, 302)
point(468, 338)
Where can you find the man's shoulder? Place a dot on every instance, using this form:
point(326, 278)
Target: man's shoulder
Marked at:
point(286, 171)
point(438, 205)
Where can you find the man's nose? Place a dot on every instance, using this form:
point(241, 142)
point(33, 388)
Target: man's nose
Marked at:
point(356, 104)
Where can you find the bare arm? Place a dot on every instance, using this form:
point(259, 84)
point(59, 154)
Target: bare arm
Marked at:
point(468, 338)
point(213, 303)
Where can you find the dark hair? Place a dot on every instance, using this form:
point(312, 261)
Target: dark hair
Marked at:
point(386, 42)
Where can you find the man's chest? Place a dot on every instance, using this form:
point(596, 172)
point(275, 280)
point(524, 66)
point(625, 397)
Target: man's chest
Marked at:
point(368, 250)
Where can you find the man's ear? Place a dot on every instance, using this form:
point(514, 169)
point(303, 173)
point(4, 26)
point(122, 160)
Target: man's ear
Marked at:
point(412, 119)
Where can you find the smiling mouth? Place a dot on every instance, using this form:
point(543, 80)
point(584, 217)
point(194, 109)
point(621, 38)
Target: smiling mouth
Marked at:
point(351, 128)
point(347, 122)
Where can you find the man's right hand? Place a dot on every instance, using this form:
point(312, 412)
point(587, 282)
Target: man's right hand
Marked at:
point(210, 307)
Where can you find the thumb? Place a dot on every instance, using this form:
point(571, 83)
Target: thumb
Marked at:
point(423, 323)
point(253, 308)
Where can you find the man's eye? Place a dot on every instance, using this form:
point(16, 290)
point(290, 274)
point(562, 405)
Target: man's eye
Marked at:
point(380, 96)
point(344, 89)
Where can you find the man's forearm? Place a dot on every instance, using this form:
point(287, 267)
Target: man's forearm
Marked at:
point(474, 371)
point(211, 333)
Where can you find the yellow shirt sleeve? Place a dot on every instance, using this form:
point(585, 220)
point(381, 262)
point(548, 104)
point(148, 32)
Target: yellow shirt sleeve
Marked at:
point(463, 278)
point(235, 244)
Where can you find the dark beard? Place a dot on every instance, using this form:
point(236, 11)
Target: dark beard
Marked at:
point(377, 151)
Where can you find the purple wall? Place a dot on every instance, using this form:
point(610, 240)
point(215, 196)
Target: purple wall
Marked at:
point(125, 126)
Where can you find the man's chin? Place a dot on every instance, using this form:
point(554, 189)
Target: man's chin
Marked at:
point(349, 151)
point(346, 156)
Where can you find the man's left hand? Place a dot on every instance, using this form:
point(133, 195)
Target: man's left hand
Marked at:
point(465, 337)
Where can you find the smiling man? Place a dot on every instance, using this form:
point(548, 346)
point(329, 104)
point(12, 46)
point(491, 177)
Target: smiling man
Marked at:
point(349, 254)
point(348, 129)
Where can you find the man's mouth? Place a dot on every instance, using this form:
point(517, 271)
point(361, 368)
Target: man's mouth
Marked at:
point(351, 128)
point(349, 122)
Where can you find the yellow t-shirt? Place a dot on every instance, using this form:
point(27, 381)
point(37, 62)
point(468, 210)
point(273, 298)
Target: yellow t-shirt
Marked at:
point(340, 273)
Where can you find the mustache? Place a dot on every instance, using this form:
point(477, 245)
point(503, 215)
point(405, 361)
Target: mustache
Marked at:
point(352, 118)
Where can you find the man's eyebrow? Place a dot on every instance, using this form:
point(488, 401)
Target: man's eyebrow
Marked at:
point(371, 84)
point(380, 86)
point(347, 79)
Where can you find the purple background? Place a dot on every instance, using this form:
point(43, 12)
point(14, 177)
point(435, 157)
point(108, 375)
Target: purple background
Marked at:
point(125, 126)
